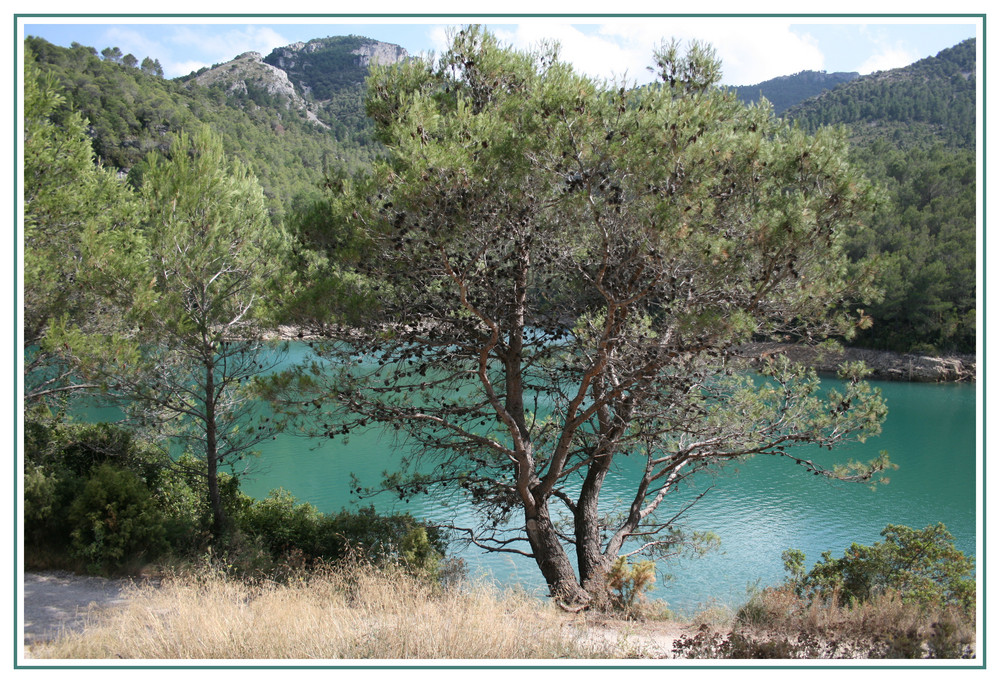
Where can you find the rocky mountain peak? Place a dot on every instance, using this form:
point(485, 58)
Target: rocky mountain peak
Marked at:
point(379, 53)
point(323, 66)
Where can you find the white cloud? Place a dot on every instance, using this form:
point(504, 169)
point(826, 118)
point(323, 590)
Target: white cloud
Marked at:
point(173, 69)
point(752, 50)
point(131, 41)
point(439, 38)
point(230, 42)
point(597, 55)
point(205, 49)
point(889, 58)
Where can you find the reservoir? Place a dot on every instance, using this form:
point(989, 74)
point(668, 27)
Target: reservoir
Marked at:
point(758, 509)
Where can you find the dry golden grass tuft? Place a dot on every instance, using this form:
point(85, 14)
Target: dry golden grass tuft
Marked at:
point(346, 613)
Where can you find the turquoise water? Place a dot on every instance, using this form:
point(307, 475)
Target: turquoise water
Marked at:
point(759, 509)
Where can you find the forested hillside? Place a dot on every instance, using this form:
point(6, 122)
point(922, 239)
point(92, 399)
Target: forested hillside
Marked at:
point(914, 129)
point(786, 91)
point(932, 100)
point(296, 118)
point(133, 110)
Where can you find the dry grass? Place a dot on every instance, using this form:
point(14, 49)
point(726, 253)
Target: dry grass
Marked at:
point(354, 613)
point(884, 626)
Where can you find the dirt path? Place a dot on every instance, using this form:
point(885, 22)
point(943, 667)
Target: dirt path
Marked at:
point(638, 640)
point(56, 601)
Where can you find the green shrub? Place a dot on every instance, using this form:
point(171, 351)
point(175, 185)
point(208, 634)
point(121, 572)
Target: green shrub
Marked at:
point(61, 457)
point(909, 596)
point(181, 493)
point(115, 522)
point(81, 448)
point(286, 528)
point(282, 525)
point(922, 565)
point(381, 537)
point(96, 495)
point(47, 495)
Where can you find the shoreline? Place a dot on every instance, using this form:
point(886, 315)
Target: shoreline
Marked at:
point(885, 365)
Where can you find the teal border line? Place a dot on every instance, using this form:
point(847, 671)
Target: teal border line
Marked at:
point(481, 15)
point(982, 375)
point(18, 639)
point(981, 69)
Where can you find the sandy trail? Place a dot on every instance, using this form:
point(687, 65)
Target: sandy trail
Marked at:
point(58, 601)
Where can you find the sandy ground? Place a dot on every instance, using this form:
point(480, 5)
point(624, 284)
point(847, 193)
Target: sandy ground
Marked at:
point(57, 601)
point(636, 640)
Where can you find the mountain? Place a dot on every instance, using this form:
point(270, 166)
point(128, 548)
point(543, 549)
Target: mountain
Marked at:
point(248, 75)
point(289, 116)
point(324, 66)
point(932, 100)
point(786, 91)
point(913, 131)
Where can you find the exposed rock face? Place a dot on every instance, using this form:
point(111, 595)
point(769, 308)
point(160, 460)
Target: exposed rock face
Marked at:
point(291, 57)
point(249, 68)
point(323, 67)
point(885, 365)
point(287, 57)
point(379, 54)
point(306, 75)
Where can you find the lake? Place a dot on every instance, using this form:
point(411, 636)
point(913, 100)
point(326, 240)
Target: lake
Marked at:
point(758, 509)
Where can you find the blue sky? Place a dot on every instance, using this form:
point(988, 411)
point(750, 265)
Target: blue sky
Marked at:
point(752, 49)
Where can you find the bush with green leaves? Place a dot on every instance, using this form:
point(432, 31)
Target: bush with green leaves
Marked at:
point(81, 467)
point(115, 522)
point(284, 527)
point(922, 565)
point(910, 596)
point(98, 498)
point(80, 448)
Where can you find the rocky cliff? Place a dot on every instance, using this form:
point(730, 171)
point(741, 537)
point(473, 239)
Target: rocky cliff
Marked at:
point(306, 76)
point(323, 67)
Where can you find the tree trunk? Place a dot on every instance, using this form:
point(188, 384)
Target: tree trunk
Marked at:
point(551, 558)
point(219, 521)
point(591, 559)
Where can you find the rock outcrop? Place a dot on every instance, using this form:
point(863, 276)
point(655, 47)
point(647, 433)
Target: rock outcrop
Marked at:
point(885, 365)
point(249, 69)
point(379, 53)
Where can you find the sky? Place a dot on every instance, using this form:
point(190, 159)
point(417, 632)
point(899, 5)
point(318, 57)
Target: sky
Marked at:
point(752, 49)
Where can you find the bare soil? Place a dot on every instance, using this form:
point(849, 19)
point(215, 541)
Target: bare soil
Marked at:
point(633, 639)
point(58, 601)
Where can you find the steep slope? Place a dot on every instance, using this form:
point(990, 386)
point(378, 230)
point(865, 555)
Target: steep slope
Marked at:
point(932, 100)
point(323, 66)
point(249, 76)
point(913, 131)
point(786, 91)
point(330, 72)
point(267, 117)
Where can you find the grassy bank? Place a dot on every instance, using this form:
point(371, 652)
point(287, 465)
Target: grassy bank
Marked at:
point(347, 613)
point(360, 612)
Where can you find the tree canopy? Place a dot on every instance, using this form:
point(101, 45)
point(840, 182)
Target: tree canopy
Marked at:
point(66, 198)
point(561, 269)
point(195, 283)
